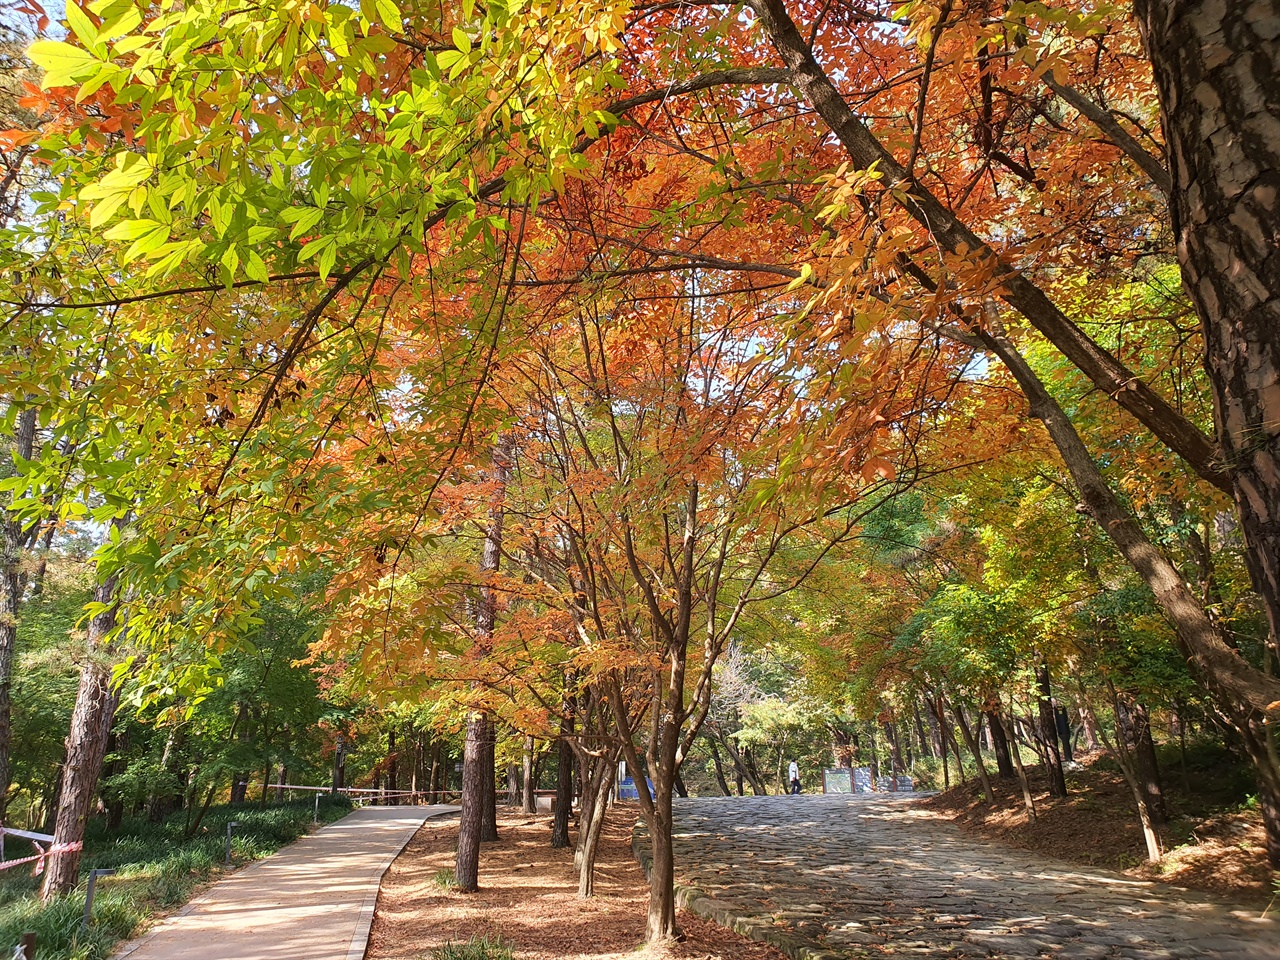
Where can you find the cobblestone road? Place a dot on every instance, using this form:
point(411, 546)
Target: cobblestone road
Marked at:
point(844, 877)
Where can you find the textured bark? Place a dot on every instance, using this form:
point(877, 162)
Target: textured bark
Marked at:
point(1135, 728)
point(529, 799)
point(1049, 734)
point(467, 864)
point(564, 786)
point(1109, 375)
point(91, 720)
point(1000, 745)
point(1217, 67)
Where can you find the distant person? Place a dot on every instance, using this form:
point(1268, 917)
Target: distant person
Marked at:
point(794, 774)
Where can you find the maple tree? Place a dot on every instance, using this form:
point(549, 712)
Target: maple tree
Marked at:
point(716, 273)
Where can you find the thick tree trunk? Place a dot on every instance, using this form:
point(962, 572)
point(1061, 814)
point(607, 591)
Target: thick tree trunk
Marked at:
point(91, 721)
point(1000, 745)
point(479, 811)
point(467, 865)
point(528, 796)
point(1217, 68)
point(564, 786)
point(1049, 734)
point(489, 771)
point(1134, 728)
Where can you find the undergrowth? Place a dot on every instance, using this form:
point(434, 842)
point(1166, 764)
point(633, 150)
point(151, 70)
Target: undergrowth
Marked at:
point(477, 948)
point(157, 868)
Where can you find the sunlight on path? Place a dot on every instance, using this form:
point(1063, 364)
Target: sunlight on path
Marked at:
point(864, 876)
point(312, 900)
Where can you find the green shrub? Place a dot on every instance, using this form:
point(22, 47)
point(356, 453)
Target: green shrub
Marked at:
point(477, 948)
point(157, 866)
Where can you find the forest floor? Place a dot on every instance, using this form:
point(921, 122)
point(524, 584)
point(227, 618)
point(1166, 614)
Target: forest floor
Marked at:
point(529, 899)
point(1214, 840)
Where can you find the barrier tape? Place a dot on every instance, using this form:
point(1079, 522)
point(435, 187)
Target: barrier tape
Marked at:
point(41, 855)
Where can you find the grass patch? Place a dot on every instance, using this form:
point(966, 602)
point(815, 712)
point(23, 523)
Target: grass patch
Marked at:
point(157, 868)
point(445, 879)
point(477, 948)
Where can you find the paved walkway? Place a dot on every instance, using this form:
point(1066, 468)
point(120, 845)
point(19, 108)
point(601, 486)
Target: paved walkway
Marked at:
point(313, 900)
point(841, 877)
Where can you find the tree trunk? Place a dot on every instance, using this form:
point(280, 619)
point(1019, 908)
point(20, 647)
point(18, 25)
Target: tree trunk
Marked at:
point(974, 748)
point(1049, 734)
point(1217, 68)
point(489, 771)
point(1000, 744)
point(1133, 727)
point(479, 811)
point(528, 796)
point(597, 804)
point(467, 865)
point(1125, 758)
point(564, 785)
point(1006, 728)
point(721, 782)
point(91, 721)
point(393, 769)
point(1064, 733)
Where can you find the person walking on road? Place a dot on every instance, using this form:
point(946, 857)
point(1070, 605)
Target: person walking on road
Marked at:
point(794, 774)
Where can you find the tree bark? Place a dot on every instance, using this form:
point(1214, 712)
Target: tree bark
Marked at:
point(1217, 68)
point(1000, 743)
point(478, 821)
point(1049, 734)
point(467, 865)
point(1134, 729)
point(91, 721)
point(721, 782)
point(974, 748)
point(529, 799)
point(564, 785)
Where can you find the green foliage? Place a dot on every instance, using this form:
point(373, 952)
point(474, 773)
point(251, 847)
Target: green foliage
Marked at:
point(477, 948)
point(157, 868)
point(445, 879)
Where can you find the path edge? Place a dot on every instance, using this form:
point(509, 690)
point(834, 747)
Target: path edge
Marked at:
point(697, 902)
point(359, 944)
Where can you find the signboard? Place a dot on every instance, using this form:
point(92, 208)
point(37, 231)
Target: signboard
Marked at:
point(838, 780)
point(885, 784)
point(862, 780)
point(906, 785)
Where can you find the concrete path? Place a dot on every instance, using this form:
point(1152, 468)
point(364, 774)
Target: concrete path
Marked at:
point(842, 877)
point(313, 900)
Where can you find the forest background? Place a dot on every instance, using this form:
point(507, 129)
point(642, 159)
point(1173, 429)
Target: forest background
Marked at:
point(386, 377)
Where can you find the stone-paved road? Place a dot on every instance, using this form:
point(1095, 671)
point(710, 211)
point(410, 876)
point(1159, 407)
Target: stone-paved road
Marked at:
point(864, 876)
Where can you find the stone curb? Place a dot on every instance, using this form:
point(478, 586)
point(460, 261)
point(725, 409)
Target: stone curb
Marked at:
point(697, 902)
point(364, 923)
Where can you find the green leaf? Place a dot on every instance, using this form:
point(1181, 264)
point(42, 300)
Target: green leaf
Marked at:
point(389, 14)
point(64, 65)
point(461, 40)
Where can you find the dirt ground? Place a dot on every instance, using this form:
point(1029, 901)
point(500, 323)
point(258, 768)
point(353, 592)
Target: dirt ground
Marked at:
point(529, 898)
point(1097, 825)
